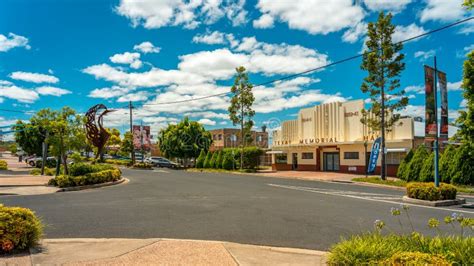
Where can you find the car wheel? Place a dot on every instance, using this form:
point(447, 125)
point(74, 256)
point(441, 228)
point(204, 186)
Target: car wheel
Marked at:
point(31, 163)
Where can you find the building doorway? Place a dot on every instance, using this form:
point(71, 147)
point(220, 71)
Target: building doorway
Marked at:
point(294, 166)
point(331, 161)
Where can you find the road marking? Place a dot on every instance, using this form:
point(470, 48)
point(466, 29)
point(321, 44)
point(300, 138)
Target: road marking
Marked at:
point(357, 195)
point(159, 171)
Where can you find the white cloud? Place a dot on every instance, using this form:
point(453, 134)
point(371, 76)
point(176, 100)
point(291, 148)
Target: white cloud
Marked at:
point(415, 89)
point(132, 59)
point(463, 103)
point(264, 22)
point(146, 47)
point(442, 10)
point(387, 5)
point(405, 32)
point(107, 93)
point(208, 114)
point(425, 55)
point(5, 82)
point(454, 86)
point(19, 94)
point(153, 14)
point(33, 77)
point(207, 122)
point(469, 48)
point(48, 90)
point(134, 97)
point(11, 41)
point(315, 17)
point(355, 33)
point(215, 37)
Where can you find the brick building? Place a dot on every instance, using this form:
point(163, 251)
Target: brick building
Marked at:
point(230, 137)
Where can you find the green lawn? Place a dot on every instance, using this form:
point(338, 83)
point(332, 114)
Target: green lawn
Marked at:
point(402, 183)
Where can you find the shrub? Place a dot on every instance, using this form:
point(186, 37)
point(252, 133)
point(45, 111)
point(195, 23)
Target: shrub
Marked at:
point(416, 258)
point(427, 170)
point(402, 168)
point(200, 159)
point(212, 163)
point(414, 167)
point(143, 166)
point(463, 166)
point(19, 229)
point(445, 162)
point(227, 161)
point(207, 161)
point(3, 165)
point(87, 179)
point(218, 163)
point(119, 162)
point(428, 191)
point(47, 171)
point(79, 169)
point(251, 156)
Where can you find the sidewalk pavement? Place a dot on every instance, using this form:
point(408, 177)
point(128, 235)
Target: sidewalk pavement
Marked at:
point(160, 252)
point(311, 175)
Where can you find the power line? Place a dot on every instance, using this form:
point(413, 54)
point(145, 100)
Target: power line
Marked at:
point(321, 67)
point(16, 111)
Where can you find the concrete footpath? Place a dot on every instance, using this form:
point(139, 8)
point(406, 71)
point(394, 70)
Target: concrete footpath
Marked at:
point(160, 252)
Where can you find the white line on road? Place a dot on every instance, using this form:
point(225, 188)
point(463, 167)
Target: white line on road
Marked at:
point(357, 195)
point(160, 171)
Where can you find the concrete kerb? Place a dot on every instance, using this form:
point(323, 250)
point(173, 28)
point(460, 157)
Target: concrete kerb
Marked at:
point(120, 181)
point(435, 203)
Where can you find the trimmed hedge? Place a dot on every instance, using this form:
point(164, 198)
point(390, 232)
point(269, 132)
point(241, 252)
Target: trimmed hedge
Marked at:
point(403, 167)
point(416, 258)
point(79, 169)
point(3, 165)
point(415, 164)
point(19, 229)
point(119, 162)
point(207, 161)
point(227, 161)
point(143, 166)
point(428, 191)
point(47, 171)
point(87, 179)
point(200, 159)
point(427, 170)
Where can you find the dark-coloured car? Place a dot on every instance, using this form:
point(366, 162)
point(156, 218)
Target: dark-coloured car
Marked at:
point(161, 162)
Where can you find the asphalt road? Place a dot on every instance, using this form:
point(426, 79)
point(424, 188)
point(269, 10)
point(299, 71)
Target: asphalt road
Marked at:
point(215, 206)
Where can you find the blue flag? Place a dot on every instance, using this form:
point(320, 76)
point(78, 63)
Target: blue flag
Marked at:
point(374, 155)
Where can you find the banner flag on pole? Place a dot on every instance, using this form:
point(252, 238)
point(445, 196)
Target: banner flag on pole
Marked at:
point(430, 119)
point(443, 133)
point(374, 155)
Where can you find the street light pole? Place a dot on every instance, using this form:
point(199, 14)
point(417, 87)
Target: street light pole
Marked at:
point(436, 142)
point(130, 106)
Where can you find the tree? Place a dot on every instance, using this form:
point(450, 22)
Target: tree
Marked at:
point(416, 163)
point(465, 122)
point(184, 140)
point(207, 161)
point(126, 147)
point(427, 170)
point(212, 163)
point(403, 167)
point(240, 110)
point(200, 159)
point(218, 163)
point(29, 137)
point(114, 139)
point(463, 165)
point(469, 4)
point(445, 162)
point(384, 64)
point(227, 161)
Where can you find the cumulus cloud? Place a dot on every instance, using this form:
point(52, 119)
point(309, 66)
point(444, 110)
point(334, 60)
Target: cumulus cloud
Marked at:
point(146, 47)
point(207, 122)
point(20, 94)
point(53, 91)
point(107, 93)
point(264, 22)
point(424, 55)
point(214, 37)
point(11, 41)
point(355, 33)
point(132, 59)
point(153, 14)
point(315, 17)
point(134, 97)
point(405, 32)
point(387, 5)
point(5, 82)
point(33, 77)
point(442, 10)
point(454, 86)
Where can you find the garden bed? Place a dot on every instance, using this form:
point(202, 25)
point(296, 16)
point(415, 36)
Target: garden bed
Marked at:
point(83, 174)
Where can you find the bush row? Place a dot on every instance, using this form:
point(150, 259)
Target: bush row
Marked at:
point(428, 191)
point(456, 165)
point(47, 171)
point(229, 158)
point(19, 229)
point(87, 179)
point(143, 166)
point(119, 162)
point(79, 169)
point(3, 165)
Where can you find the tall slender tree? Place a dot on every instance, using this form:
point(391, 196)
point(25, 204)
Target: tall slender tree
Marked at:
point(465, 122)
point(384, 63)
point(240, 109)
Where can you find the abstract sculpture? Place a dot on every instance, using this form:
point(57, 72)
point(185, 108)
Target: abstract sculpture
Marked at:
point(95, 132)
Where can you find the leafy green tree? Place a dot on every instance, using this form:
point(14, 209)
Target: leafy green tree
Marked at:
point(427, 170)
point(402, 168)
point(126, 147)
point(446, 160)
point(114, 139)
point(200, 159)
point(29, 137)
point(184, 140)
point(12, 148)
point(469, 4)
point(465, 122)
point(227, 161)
point(463, 166)
point(240, 109)
point(207, 161)
point(212, 163)
point(218, 163)
point(416, 163)
point(384, 64)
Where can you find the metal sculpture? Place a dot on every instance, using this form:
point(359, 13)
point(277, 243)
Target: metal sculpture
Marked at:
point(95, 132)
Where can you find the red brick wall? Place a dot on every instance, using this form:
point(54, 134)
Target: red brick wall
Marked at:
point(281, 167)
point(307, 167)
point(391, 170)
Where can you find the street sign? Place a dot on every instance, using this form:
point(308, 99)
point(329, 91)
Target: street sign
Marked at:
point(374, 155)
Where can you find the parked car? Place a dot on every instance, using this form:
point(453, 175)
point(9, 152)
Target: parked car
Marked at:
point(161, 162)
point(37, 161)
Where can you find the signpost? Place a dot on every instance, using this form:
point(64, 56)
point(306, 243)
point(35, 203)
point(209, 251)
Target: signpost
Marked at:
point(374, 155)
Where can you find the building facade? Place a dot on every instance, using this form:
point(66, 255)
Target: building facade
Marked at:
point(230, 137)
point(331, 137)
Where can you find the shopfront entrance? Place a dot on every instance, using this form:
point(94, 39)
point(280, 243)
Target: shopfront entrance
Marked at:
point(294, 166)
point(331, 161)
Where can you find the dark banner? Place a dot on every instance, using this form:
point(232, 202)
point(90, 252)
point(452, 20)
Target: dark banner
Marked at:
point(443, 132)
point(374, 155)
point(430, 119)
point(141, 137)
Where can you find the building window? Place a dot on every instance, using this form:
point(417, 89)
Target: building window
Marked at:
point(259, 138)
point(214, 136)
point(307, 155)
point(220, 137)
point(351, 155)
point(395, 157)
point(281, 158)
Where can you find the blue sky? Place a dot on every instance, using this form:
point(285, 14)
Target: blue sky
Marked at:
point(83, 52)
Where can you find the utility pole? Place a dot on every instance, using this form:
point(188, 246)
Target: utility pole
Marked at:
point(44, 151)
point(130, 106)
point(436, 142)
